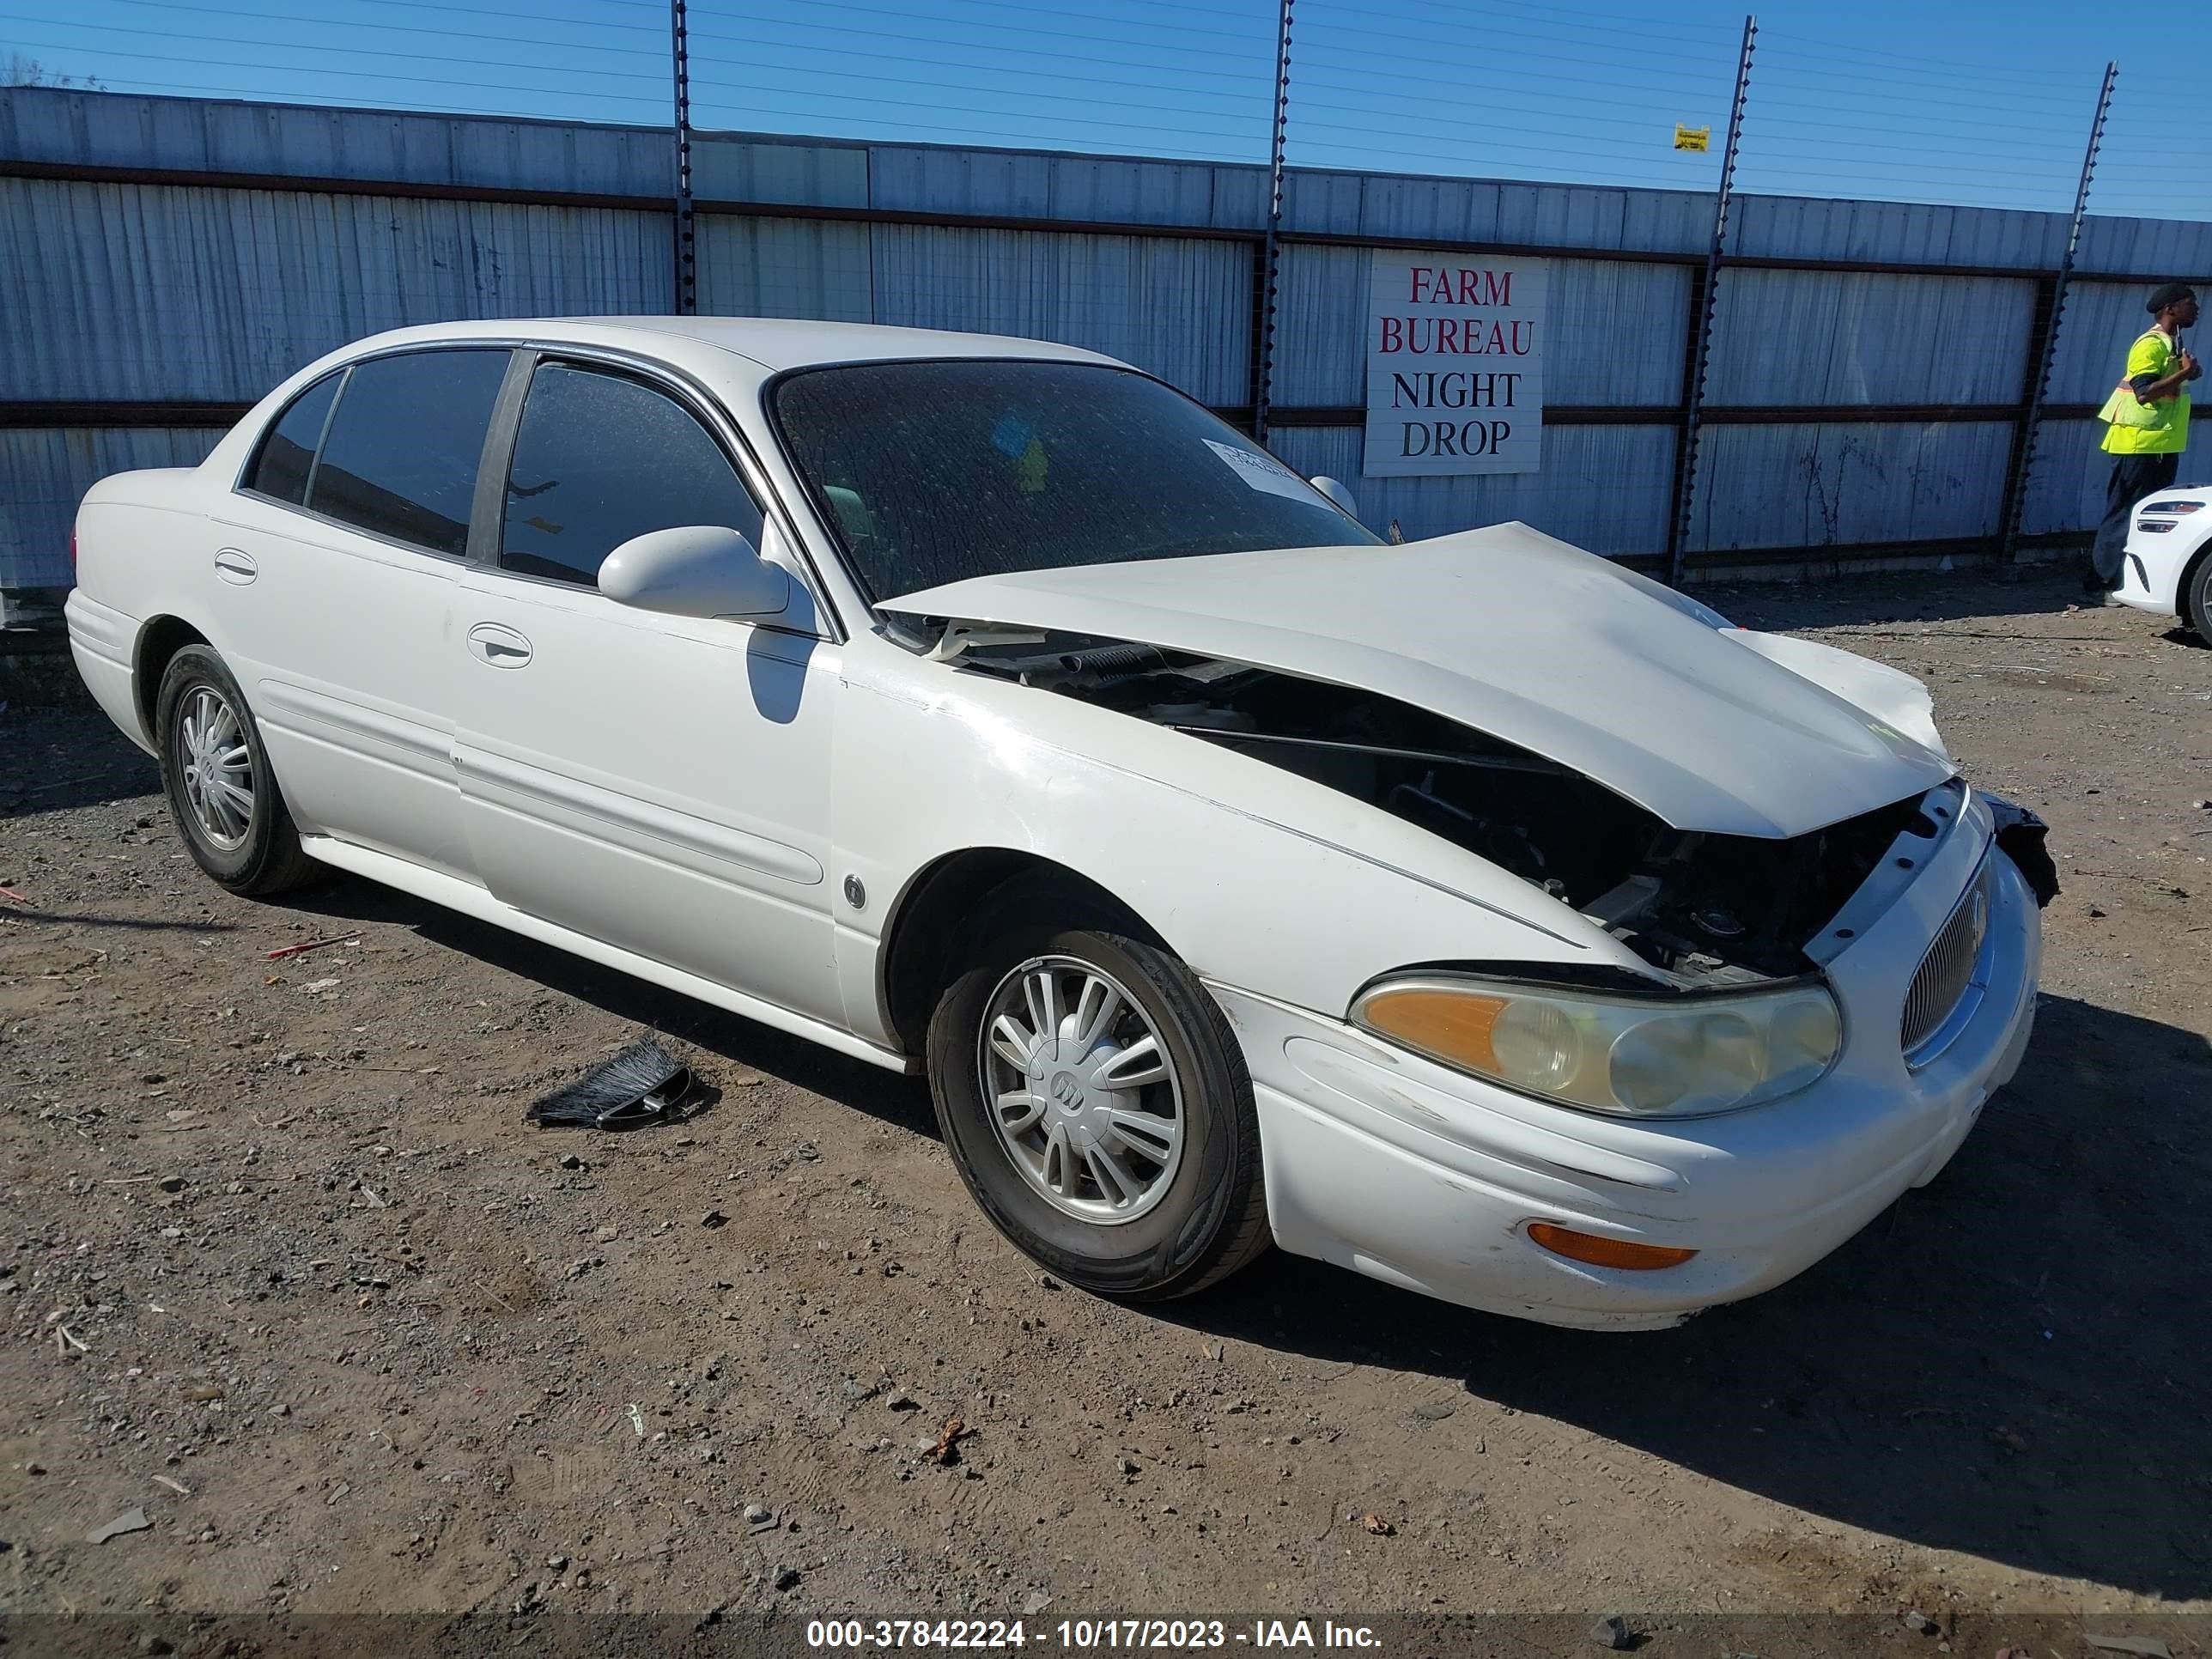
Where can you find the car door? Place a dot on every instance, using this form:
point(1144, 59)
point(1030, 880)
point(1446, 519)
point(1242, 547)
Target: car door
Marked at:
point(335, 558)
point(660, 783)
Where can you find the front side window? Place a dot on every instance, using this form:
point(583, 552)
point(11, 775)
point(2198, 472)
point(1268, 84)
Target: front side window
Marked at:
point(600, 458)
point(400, 456)
point(935, 472)
point(288, 452)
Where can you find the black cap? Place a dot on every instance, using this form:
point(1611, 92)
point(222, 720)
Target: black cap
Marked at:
point(2173, 293)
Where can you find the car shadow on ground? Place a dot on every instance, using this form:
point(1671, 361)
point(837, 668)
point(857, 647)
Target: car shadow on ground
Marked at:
point(2006, 1364)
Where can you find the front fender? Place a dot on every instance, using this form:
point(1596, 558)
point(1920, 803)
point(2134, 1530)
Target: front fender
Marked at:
point(1256, 876)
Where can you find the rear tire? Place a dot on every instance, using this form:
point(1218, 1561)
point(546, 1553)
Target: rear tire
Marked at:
point(1123, 1182)
point(222, 792)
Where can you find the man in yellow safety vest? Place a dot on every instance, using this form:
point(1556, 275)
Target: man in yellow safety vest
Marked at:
point(2146, 428)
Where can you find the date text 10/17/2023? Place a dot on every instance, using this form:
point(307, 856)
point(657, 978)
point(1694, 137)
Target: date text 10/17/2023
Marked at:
point(1086, 1634)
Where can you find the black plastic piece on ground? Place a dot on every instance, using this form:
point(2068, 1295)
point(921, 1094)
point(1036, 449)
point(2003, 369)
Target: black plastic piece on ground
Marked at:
point(644, 1083)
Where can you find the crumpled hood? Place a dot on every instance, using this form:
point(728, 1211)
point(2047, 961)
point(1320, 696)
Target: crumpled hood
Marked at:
point(1513, 633)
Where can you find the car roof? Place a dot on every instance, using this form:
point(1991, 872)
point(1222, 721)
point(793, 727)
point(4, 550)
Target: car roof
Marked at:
point(773, 342)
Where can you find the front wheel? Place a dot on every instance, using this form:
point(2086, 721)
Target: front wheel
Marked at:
point(2196, 599)
point(1096, 1101)
point(221, 791)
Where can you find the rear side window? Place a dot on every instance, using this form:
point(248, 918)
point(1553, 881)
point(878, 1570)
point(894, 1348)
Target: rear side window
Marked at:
point(287, 453)
point(599, 458)
point(401, 458)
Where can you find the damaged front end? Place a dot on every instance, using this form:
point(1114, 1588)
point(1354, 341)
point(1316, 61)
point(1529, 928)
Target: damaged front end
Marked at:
point(1704, 910)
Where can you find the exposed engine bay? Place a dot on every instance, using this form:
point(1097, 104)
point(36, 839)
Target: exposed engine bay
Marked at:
point(1705, 908)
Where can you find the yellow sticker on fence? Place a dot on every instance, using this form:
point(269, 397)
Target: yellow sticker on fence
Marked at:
point(1693, 137)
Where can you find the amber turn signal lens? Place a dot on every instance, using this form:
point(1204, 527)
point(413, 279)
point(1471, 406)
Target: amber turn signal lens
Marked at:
point(1606, 1252)
point(1454, 1026)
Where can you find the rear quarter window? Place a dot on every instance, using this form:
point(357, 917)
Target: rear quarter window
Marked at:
point(287, 454)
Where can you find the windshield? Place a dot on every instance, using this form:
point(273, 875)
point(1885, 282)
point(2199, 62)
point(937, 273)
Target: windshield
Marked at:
point(932, 472)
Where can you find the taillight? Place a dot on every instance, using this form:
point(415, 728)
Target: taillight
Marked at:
point(72, 547)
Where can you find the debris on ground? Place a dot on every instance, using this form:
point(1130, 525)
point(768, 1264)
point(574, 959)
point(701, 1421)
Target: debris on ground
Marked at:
point(1612, 1632)
point(129, 1520)
point(1913, 1619)
point(2148, 1646)
point(353, 938)
point(644, 1083)
point(1378, 1526)
point(946, 1451)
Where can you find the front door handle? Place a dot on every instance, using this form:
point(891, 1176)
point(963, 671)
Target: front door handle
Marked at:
point(499, 646)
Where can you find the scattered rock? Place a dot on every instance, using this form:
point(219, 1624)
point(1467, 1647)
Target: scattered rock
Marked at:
point(557, 1562)
point(1612, 1632)
point(755, 1516)
point(856, 1391)
point(2092, 910)
point(1128, 1468)
point(202, 1391)
point(129, 1520)
point(900, 1400)
point(1378, 1526)
point(584, 1264)
point(570, 1161)
point(1036, 1603)
point(34, 1468)
point(2148, 1646)
point(1434, 1411)
point(608, 1234)
point(787, 1579)
point(1913, 1619)
point(713, 1218)
point(173, 1183)
point(155, 1643)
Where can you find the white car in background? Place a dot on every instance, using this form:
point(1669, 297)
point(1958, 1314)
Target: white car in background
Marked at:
point(2168, 567)
point(1473, 913)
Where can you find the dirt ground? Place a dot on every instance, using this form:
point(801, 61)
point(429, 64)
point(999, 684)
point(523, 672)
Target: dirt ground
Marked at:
point(281, 1266)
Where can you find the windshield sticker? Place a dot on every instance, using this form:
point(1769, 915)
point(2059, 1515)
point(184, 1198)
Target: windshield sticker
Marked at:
point(1262, 472)
point(1011, 436)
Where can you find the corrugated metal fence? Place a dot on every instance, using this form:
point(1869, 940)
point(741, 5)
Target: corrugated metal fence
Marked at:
point(163, 261)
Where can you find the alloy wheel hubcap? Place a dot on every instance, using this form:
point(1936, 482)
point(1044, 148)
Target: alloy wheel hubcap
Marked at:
point(1081, 1091)
point(218, 768)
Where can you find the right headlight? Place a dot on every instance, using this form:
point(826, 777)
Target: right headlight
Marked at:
point(1631, 1056)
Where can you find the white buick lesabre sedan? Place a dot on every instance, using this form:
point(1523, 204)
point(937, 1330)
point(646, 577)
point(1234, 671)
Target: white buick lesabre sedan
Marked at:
point(1472, 913)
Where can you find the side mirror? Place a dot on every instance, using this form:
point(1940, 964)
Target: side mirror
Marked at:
point(1338, 494)
point(694, 570)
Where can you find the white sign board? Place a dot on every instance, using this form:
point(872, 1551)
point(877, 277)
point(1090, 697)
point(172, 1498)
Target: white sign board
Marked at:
point(1455, 364)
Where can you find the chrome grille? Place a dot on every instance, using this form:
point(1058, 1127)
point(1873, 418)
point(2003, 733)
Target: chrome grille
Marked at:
point(1946, 972)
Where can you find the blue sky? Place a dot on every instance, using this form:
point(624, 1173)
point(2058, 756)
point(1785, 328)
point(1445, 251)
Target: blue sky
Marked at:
point(1979, 101)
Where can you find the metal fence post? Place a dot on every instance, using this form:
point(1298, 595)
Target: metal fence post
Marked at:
point(1263, 309)
point(686, 251)
point(1701, 327)
point(2046, 357)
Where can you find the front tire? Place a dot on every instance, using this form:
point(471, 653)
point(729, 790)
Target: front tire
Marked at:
point(1096, 1101)
point(2195, 598)
point(222, 792)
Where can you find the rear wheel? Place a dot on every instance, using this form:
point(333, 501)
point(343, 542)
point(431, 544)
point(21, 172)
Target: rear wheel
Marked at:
point(222, 791)
point(1096, 1101)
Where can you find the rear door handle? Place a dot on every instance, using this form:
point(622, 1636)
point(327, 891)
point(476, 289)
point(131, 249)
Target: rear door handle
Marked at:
point(235, 567)
point(498, 645)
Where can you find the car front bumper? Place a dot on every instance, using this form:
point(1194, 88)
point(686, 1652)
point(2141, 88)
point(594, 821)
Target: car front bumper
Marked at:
point(1381, 1161)
point(2150, 570)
